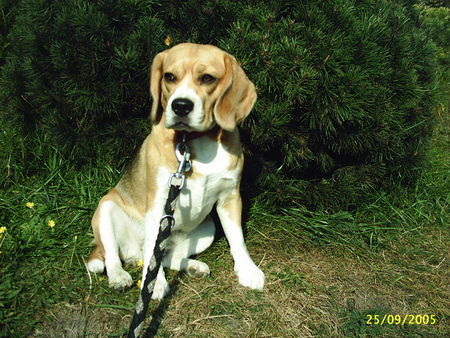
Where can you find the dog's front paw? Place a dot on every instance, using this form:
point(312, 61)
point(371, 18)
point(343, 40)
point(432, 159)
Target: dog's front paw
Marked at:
point(119, 279)
point(160, 289)
point(250, 276)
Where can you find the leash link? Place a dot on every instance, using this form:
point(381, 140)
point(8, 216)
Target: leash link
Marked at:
point(184, 164)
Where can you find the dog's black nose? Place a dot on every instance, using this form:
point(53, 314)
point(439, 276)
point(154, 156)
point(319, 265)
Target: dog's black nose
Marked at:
point(182, 107)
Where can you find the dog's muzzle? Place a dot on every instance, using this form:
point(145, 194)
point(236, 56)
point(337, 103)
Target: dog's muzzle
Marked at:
point(185, 110)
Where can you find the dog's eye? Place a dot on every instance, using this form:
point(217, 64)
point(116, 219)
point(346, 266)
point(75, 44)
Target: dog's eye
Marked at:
point(169, 77)
point(207, 79)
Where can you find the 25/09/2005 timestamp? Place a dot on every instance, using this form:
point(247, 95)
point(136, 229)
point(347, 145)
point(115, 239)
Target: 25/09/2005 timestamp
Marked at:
point(401, 319)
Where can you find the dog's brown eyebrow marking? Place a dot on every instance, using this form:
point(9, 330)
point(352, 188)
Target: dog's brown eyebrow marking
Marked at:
point(201, 68)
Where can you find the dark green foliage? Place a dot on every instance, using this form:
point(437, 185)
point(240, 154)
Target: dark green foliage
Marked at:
point(346, 95)
point(346, 88)
point(7, 16)
point(435, 3)
point(436, 22)
point(200, 21)
point(78, 72)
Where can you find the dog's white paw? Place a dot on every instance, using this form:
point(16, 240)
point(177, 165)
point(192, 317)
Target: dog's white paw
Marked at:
point(197, 269)
point(119, 279)
point(250, 276)
point(96, 265)
point(160, 289)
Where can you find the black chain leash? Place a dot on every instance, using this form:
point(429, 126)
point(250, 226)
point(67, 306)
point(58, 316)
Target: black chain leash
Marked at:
point(176, 183)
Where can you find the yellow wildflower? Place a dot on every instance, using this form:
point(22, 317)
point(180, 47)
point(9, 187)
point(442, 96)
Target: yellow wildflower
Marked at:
point(138, 283)
point(30, 205)
point(51, 223)
point(2, 230)
point(140, 263)
point(168, 41)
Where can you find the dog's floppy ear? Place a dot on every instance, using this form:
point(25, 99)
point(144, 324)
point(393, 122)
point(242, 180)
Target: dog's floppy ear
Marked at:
point(237, 95)
point(155, 86)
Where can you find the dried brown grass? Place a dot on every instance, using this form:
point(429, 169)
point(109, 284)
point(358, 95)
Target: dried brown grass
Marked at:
point(309, 292)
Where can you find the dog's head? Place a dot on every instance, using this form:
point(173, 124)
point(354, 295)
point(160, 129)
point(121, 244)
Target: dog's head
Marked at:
point(197, 86)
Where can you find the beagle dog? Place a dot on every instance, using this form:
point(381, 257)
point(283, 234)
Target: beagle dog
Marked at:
point(202, 92)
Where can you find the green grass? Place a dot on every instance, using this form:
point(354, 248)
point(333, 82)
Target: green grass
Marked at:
point(396, 243)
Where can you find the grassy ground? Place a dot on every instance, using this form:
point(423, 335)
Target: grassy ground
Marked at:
point(326, 274)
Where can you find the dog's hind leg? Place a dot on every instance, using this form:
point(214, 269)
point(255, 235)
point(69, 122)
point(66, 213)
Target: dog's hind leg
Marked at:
point(96, 259)
point(186, 245)
point(96, 262)
point(109, 214)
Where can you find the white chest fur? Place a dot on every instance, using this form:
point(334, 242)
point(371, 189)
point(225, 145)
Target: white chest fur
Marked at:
point(210, 179)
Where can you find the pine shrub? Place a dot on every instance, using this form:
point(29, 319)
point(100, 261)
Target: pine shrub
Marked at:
point(346, 88)
point(346, 91)
point(7, 15)
point(435, 3)
point(77, 75)
point(436, 22)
